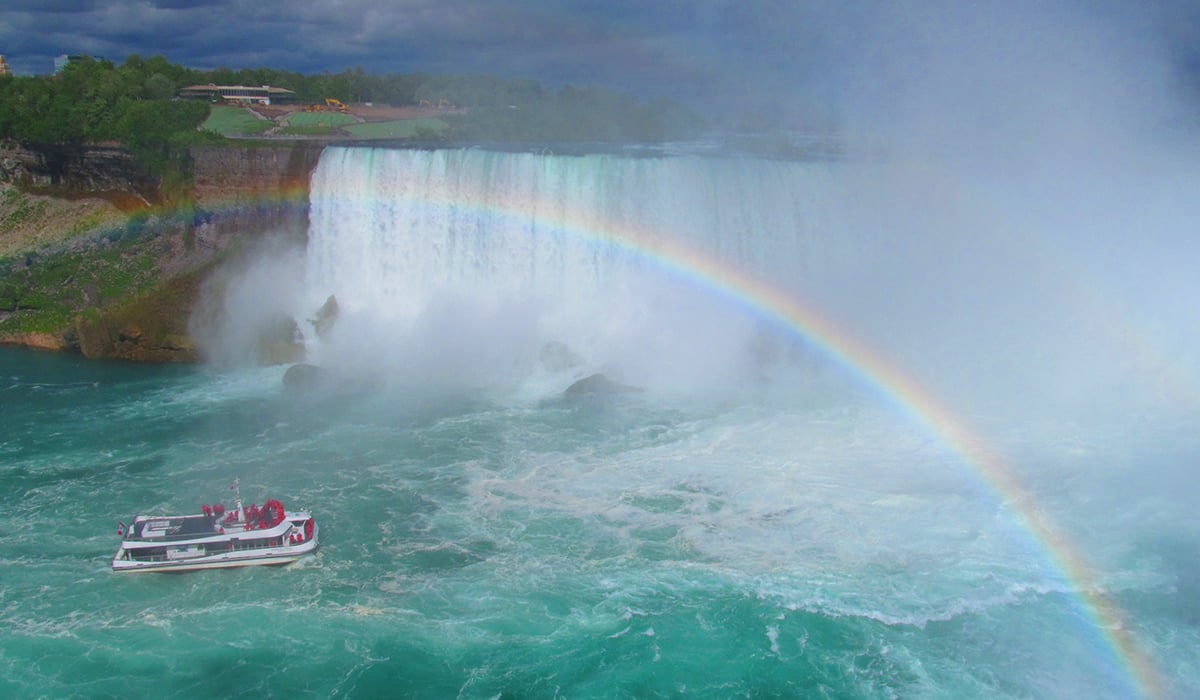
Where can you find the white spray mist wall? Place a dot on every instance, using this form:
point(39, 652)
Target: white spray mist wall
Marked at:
point(251, 304)
point(458, 266)
point(464, 263)
point(1055, 128)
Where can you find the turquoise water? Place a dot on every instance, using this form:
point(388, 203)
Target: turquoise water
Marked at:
point(764, 519)
point(512, 544)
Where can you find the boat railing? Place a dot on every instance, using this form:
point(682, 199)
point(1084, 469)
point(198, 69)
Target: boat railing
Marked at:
point(167, 538)
point(240, 546)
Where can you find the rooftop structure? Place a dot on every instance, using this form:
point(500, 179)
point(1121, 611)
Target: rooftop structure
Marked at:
point(61, 62)
point(263, 94)
point(4, 69)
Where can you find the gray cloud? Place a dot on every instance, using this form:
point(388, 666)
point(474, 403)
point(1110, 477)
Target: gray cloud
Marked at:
point(752, 54)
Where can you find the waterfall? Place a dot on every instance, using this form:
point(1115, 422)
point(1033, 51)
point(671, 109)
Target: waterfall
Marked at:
point(483, 257)
point(470, 267)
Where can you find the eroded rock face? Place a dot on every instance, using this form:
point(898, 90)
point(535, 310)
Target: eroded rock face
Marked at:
point(249, 176)
point(92, 336)
point(74, 169)
point(98, 336)
point(151, 328)
point(38, 341)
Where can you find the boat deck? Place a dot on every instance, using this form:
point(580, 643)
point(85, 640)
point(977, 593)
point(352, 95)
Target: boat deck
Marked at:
point(209, 541)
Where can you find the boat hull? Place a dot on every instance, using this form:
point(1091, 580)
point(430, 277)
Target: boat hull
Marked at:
point(197, 565)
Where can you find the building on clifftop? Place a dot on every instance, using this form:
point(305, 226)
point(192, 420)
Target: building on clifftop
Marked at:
point(4, 69)
point(238, 94)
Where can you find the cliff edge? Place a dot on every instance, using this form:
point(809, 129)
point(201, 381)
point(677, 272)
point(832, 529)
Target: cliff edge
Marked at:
point(94, 260)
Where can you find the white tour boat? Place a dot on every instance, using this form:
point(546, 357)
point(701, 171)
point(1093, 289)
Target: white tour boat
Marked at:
point(216, 539)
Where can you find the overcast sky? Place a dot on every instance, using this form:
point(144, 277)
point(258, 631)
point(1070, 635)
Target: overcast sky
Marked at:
point(789, 53)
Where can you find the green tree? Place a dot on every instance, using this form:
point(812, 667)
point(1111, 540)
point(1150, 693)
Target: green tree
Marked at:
point(159, 87)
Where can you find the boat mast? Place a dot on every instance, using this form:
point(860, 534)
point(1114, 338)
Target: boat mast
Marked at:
point(237, 499)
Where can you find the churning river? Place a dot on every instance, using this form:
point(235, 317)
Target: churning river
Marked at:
point(862, 447)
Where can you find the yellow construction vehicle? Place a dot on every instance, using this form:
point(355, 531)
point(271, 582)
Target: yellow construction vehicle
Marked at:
point(336, 104)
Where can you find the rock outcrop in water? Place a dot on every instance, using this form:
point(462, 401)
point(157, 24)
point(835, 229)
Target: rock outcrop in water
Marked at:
point(598, 385)
point(304, 377)
point(326, 317)
point(279, 341)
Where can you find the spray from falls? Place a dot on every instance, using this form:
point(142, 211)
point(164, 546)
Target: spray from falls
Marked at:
point(477, 269)
point(466, 265)
point(461, 267)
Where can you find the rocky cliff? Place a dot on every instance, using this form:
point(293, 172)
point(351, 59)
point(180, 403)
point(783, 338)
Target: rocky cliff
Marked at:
point(74, 170)
point(124, 286)
point(253, 175)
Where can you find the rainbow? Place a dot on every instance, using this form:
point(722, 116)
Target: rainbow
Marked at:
point(906, 394)
point(899, 388)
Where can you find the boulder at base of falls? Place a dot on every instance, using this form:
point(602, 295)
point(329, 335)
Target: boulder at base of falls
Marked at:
point(304, 377)
point(598, 385)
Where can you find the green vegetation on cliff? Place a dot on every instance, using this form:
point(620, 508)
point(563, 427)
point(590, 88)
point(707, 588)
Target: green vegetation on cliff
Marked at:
point(123, 292)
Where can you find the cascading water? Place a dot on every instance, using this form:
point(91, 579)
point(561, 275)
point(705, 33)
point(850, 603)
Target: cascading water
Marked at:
point(484, 255)
point(399, 226)
point(459, 266)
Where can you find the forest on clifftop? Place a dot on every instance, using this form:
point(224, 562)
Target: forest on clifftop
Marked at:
point(135, 103)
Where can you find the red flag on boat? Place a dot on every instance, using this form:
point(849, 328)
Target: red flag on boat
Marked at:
point(120, 528)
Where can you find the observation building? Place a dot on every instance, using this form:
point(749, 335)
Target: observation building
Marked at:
point(264, 94)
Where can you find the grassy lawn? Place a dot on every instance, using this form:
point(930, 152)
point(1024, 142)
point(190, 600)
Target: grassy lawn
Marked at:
point(330, 119)
point(317, 130)
point(398, 129)
point(234, 121)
